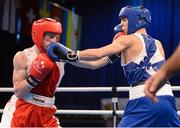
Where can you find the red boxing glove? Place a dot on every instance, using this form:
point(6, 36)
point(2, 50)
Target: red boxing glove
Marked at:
point(40, 68)
point(118, 35)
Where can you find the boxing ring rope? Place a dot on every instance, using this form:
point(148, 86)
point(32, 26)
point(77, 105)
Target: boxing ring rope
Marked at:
point(87, 89)
point(85, 112)
point(114, 91)
point(79, 89)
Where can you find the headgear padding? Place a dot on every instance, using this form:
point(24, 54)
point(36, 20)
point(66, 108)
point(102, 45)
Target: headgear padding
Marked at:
point(41, 26)
point(138, 17)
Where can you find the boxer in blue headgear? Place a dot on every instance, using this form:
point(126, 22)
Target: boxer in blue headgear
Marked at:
point(141, 57)
point(138, 17)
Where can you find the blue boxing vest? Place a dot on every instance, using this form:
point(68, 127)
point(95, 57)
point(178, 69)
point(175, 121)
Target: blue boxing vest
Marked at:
point(146, 63)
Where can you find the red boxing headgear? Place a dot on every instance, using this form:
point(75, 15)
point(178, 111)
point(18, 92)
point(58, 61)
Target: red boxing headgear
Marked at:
point(41, 26)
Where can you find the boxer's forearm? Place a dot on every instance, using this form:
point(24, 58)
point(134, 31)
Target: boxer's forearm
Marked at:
point(91, 64)
point(97, 53)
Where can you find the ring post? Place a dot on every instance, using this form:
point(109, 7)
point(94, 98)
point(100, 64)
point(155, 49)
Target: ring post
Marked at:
point(114, 105)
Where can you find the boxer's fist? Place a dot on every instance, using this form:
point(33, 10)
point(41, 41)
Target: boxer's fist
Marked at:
point(59, 52)
point(39, 69)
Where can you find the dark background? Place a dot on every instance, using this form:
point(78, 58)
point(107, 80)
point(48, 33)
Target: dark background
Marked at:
point(99, 18)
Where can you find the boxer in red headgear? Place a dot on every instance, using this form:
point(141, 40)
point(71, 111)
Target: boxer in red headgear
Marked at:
point(35, 79)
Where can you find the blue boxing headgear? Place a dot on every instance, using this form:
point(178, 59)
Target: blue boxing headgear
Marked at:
point(138, 17)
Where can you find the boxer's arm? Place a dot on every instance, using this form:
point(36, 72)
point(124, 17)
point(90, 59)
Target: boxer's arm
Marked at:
point(91, 64)
point(116, 47)
point(19, 75)
point(96, 63)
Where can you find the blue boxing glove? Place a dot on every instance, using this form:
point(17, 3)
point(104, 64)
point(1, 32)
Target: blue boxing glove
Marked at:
point(58, 52)
point(52, 51)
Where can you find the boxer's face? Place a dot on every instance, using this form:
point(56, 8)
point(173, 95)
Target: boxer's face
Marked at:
point(50, 37)
point(124, 24)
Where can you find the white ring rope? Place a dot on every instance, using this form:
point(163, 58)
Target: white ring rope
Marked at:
point(89, 112)
point(86, 112)
point(87, 89)
point(77, 89)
